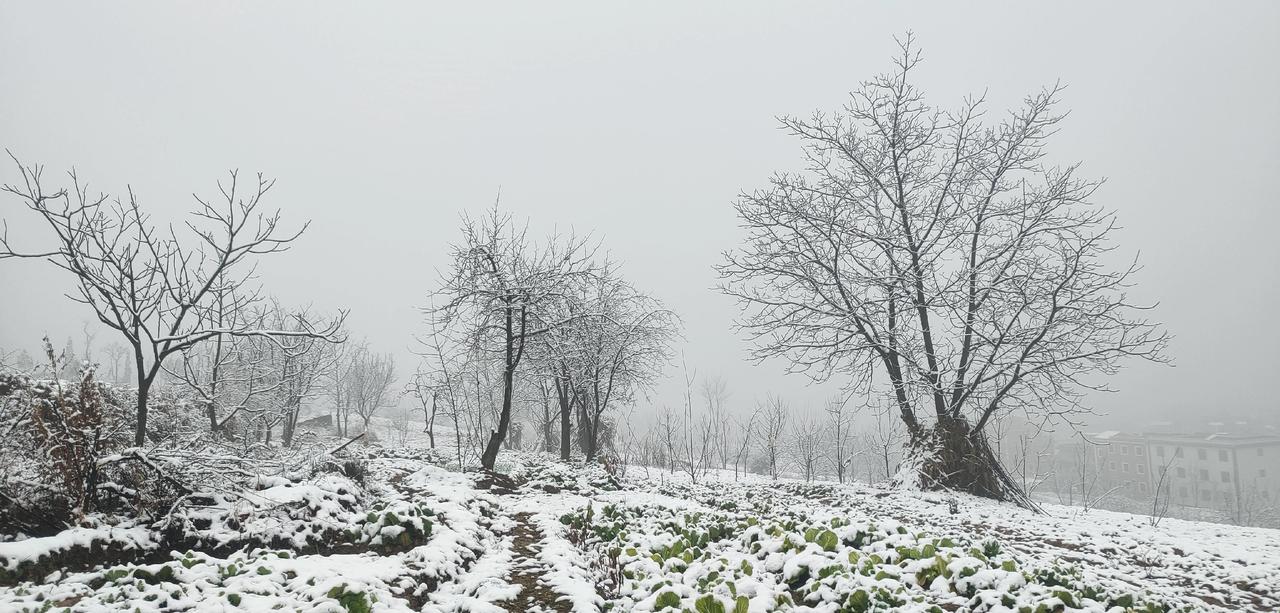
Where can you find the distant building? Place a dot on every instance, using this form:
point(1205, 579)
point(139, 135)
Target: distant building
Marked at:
point(1219, 470)
point(1216, 471)
point(1124, 461)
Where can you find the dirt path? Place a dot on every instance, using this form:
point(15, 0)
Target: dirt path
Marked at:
point(526, 570)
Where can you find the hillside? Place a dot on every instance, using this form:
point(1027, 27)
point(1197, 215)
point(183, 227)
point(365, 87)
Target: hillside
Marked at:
point(397, 532)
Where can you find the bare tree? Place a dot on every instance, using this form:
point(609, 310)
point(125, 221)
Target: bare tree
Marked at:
point(807, 445)
point(145, 283)
point(668, 434)
point(548, 417)
point(505, 287)
point(626, 340)
point(370, 378)
point(884, 442)
point(88, 336)
point(445, 361)
point(773, 426)
point(696, 434)
point(1161, 496)
point(1029, 457)
point(611, 347)
point(946, 255)
point(715, 392)
point(745, 429)
point(116, 354)
point(267, 377)
point(427, 394)
point(1087, 476)
point(840, 427)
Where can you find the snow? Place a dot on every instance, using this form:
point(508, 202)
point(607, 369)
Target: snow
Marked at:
point(14, 553)
point(421, 537)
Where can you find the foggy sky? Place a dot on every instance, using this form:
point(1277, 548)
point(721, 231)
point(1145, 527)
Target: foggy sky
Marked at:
point(640, 123)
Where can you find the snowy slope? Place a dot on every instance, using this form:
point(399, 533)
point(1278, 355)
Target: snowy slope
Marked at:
point(554, 537)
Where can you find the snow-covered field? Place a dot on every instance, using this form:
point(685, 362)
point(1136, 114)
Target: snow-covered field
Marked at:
point(545, 536)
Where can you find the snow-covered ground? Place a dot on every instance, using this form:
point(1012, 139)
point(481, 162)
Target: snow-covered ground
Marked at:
point(546, 536)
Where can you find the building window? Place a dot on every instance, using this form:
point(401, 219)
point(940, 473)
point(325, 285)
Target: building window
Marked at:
point(1204, 474)
point(1182, 472)
point(1142, 469)
point(1204, 494)
point(1139, 451)
point(1142, 487)
point(1222, 455)
point(1259, 452)
point(1204, 455)
point(1182, 492)
point(1124, 450)
point(1124, 468)
point(1113, 465)
point(1160, 450)
point(1262, 472)
point(1177, 452)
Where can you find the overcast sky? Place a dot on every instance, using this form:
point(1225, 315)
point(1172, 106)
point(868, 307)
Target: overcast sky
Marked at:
point(640, 122)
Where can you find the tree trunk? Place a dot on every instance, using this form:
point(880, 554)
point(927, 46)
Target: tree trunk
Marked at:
point(589, 441)
point(546, 430)
point(140, 429)
point(290, 423)
point(431, 423)
point(212, 414)
point(490, 456)
point(565, 433)
point(457, 437)
point(953, 456)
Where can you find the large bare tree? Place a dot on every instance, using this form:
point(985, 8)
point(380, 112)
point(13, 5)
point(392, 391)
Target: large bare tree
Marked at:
point(946, 255)
point(505, 288)
point(147, 283)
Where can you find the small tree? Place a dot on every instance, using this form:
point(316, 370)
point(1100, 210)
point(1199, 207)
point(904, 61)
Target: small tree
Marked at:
point(715, 393)
point(884, 442)
point(1161, 496)
point(149, 285)
point(807, 443)
point(428, 397)
point(626, 342)
point(696, 434)
point(840, 428)
point(746, 429)
point(370, 379)
point(773, 426)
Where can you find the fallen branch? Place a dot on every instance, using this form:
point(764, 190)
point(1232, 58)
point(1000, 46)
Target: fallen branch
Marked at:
point(344, 445)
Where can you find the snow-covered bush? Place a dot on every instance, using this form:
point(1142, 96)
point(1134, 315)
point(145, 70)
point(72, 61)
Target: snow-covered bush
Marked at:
point(55, 433)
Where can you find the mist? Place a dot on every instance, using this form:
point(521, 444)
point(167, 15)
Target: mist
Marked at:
point(640, 125)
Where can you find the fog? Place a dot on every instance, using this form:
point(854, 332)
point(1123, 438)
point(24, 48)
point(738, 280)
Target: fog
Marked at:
point(640, 124)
